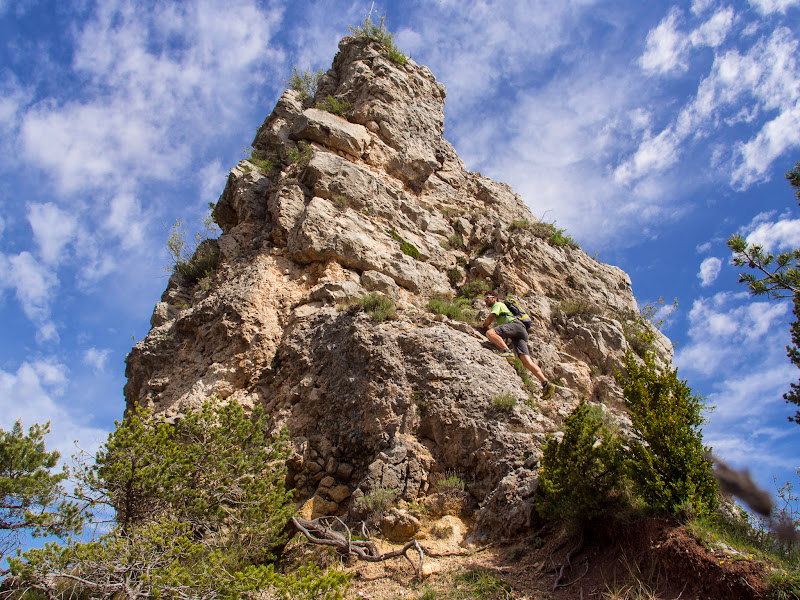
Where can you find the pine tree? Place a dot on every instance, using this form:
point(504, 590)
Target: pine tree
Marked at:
point(31, 495)
point(779, 278)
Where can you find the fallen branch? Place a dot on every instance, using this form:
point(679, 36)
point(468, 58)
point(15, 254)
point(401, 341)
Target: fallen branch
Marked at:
point(318, 532)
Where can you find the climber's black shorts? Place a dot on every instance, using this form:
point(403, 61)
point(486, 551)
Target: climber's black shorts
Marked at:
point(516, 332)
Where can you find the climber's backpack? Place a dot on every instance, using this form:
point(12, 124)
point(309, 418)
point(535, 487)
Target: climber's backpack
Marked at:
point(513, 305)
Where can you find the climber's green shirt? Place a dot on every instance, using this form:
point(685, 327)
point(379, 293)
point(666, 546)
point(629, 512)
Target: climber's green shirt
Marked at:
point(501, 313)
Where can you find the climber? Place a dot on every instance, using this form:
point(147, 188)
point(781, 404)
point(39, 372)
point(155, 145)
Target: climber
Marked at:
point(512, 328)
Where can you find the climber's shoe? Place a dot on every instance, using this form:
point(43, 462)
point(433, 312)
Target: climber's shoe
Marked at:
point(508, 355)
point(547, 390)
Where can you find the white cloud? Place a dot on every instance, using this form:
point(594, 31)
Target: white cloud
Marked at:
point(29, 395)
point(654, 154)
point(714, 31)
point(126, 220)
point(709, 270)
point(704, 247)
point(758, 154)
point(666, 47)
point(211, 181)
point(155, 78)
point(744, 85)
point(766, 7)
point(96, 359)
point(752, 392)
point(779, 235)
point(474, 51)
point(34, 284)
point(720, 326)
point(700, 6)
point(53, 228)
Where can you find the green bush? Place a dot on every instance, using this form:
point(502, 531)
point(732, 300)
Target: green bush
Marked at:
point(378, 503)
point(581, 475)
point(380, 307)
point(473, 289)
point(264, 163)
point(450, 485)
point(202, 264)
point(521, 224)
point(334, 106)
point(669, 468)
point(198, 261)
point(300, 154)
point(457, 309)
point(454, 275)
point(639, 328)
point(532, 385)
point(576, 308)
point(378, 33)
point(409, 249)
point(306, 83)
point(341, 202)
point(504, 401)
point(481, 584)
point(551, 233)
point(455, 242)
point(406, 247)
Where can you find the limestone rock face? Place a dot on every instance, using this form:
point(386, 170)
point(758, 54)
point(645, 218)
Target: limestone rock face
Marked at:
point(383, 205)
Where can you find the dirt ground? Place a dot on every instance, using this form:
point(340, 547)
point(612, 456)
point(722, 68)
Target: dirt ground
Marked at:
point(653, 559)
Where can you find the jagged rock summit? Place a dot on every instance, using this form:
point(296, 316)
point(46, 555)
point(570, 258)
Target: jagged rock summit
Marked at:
point(334, 207)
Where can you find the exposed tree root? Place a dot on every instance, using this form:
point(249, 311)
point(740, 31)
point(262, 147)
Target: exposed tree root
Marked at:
point(566, 564)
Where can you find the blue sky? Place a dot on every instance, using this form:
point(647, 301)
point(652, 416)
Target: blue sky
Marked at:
point(650, 131)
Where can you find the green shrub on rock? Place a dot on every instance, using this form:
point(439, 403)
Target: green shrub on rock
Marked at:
point(669, 467)
point(581, 475)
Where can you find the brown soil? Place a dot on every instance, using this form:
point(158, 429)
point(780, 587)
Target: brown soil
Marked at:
point(653, 559)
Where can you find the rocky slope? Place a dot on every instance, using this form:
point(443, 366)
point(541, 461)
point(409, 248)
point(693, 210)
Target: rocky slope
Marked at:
point(318, 219)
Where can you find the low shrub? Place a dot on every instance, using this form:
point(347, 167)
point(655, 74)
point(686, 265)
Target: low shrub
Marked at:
point(334, 106)
point(300, 154)
point(306, 82)
point(450, 485)
point(581, 475)
point(441, 532)
point(263, 162)
point(553, 235)
point(520, 224)
point(198, 261)
point(378, 33)
point(577, 308)
point(455, 242)
point(378, 503)
point(532, 385)
point(457, 309)
point(409, 249)
point(481, 584)
point(380, 307)
point(341, 202)
point(454, 275)
point(473, 289)
point(504, 401)
point(406, 247)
